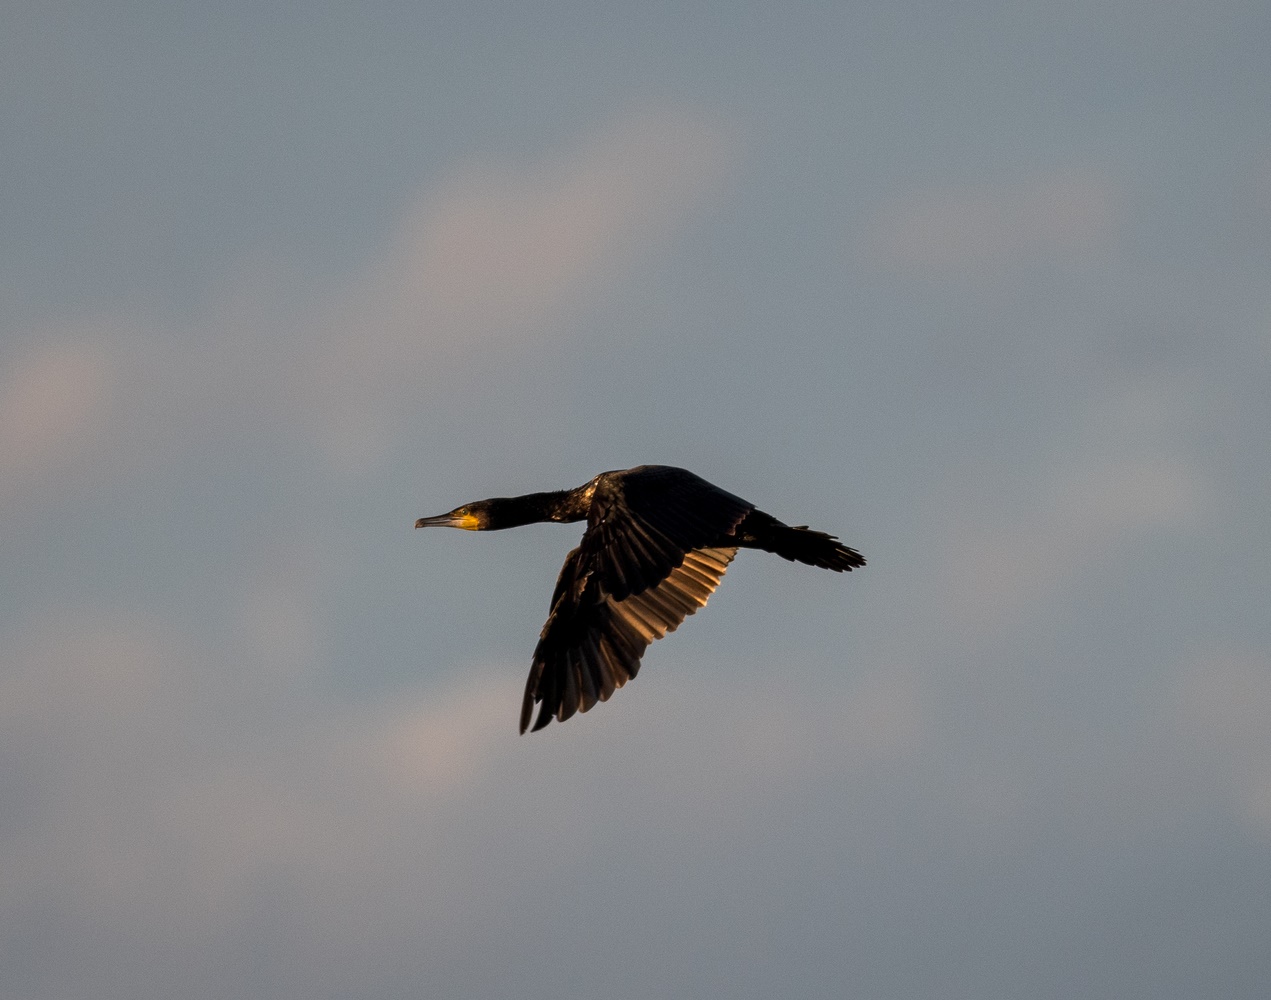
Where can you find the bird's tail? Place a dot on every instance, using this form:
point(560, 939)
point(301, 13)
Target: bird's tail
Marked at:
point(798, 544)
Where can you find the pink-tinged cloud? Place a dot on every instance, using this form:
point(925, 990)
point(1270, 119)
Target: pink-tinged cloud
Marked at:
point(501, 249)
point(162, 805)
point(435, 745)
point(500, 252)
point(52, 403)
point(1016, 537)
point(1222, 703)
point(965, 230)
point(507, 246)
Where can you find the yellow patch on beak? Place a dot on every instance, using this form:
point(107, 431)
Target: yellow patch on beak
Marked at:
point(468, 522)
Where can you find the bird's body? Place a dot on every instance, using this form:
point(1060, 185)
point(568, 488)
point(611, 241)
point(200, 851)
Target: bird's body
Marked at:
point(657, 543)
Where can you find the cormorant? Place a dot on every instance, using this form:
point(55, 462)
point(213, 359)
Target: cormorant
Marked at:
point(657, 543)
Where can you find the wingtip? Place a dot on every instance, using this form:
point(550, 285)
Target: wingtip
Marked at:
point(544, 717)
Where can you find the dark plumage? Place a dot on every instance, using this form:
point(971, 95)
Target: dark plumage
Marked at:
point(657, 543)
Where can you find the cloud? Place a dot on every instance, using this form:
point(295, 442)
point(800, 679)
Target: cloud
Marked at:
point(372, 845)
point(966, 230)
point(88, 716)
point(1015, 537)
point(433, 746)
point(139, 803)
point(143, 813)
point(497, 253)
point(53, 400)
point(1222, 703)
point(498, 247)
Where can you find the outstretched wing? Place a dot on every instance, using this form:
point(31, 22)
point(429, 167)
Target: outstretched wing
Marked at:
point(593, 639)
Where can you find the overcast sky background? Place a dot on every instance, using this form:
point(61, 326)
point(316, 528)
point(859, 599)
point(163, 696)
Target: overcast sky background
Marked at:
point(984, 289)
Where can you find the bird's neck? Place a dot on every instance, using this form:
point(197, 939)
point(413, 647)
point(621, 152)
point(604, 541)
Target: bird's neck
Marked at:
point(512, 512)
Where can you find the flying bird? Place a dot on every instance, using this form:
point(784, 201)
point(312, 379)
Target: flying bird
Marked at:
point(657, 543)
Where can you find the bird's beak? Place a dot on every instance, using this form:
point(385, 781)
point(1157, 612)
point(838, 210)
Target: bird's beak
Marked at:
point(452, 520)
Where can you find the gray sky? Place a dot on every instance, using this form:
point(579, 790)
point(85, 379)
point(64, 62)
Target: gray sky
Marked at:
point(985, 290)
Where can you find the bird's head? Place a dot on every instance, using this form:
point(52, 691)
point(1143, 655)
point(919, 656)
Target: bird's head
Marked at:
point(507, 512)
point(470, 517)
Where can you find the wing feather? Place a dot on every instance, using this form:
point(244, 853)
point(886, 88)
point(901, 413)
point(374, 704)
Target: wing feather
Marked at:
point(593, 641)
point(643, 521)
point(651, 556)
